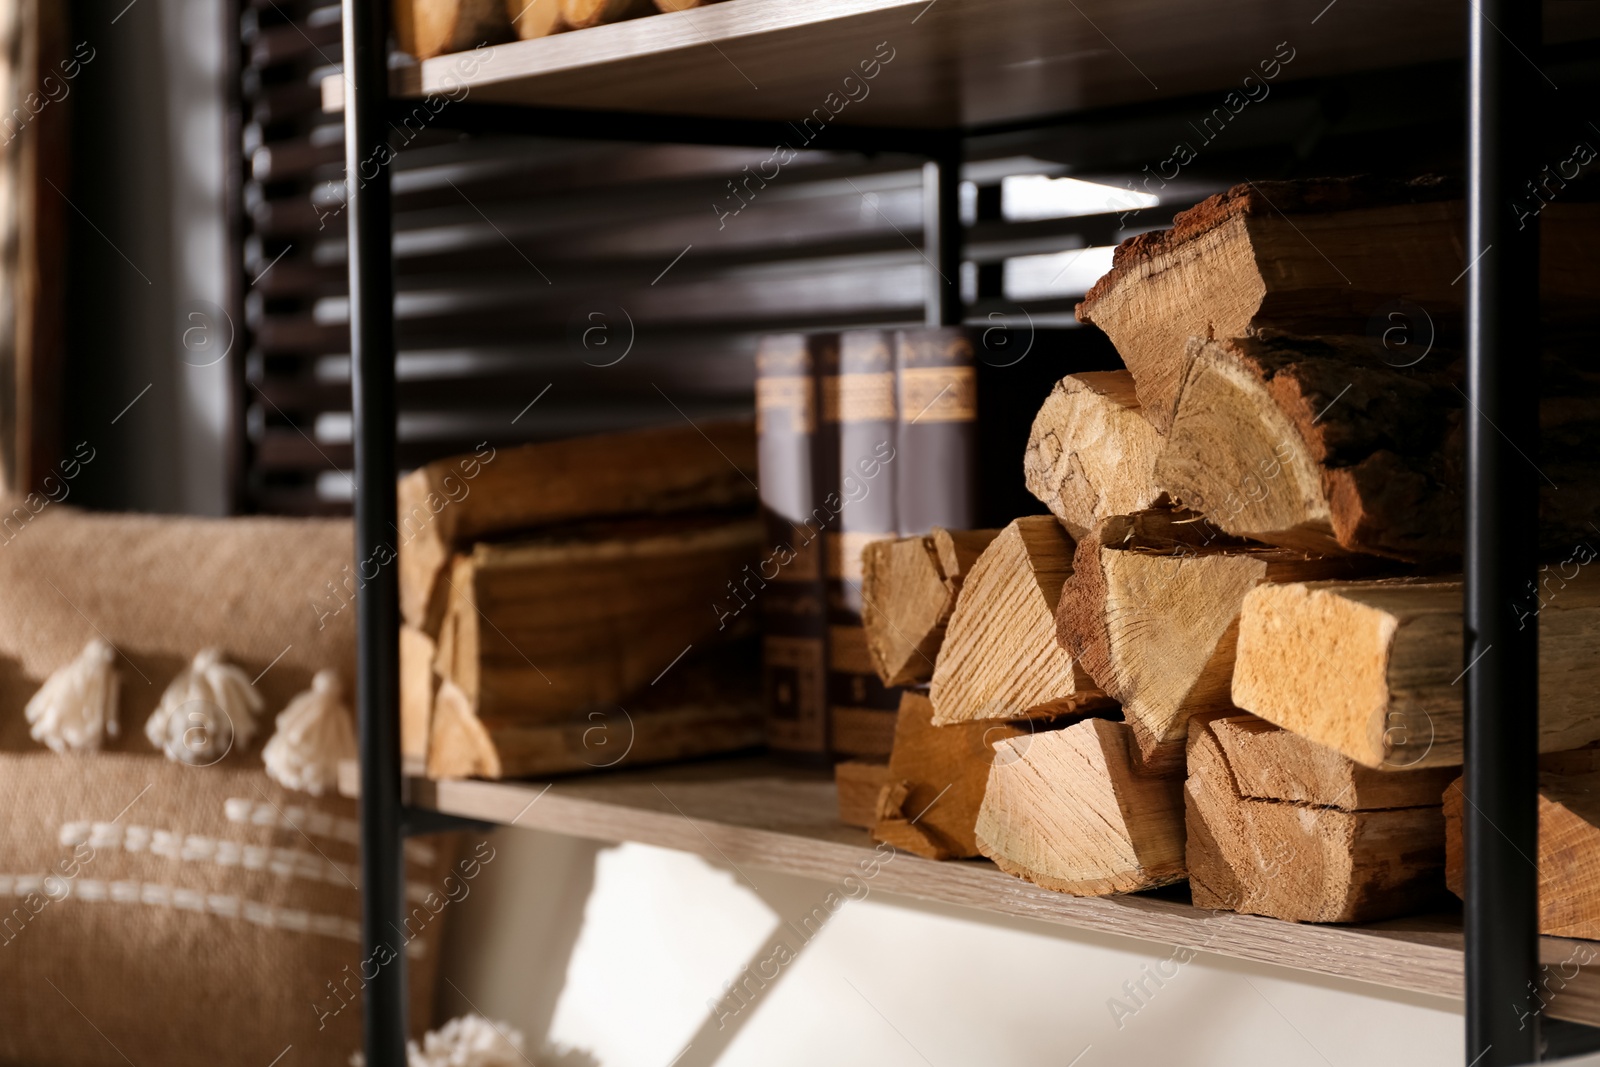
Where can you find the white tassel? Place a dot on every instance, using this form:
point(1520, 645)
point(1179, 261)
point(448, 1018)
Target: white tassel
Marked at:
point(76, 708)
point(470, 1041)
point(209, 707)
point(313, 735)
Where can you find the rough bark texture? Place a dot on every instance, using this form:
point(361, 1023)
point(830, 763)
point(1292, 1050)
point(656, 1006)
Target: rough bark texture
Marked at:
point(1311, 443)
point(1318, 256)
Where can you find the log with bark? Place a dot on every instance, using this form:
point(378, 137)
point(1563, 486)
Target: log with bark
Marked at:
point(428, 28)
point(1372, 668)
point(1000, 659)
point(1569, 851)
point(1321, 256)
point(1092, 453)
point(447, 505)
point(1306, 860)
point(1314, 443)
point(1066, 810)
point(936, 780)
point(1151, 612)
point(909, 588)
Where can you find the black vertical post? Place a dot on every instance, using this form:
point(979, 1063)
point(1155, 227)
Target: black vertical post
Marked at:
point(1502, 708)
point(367, 159)
point(941, 234)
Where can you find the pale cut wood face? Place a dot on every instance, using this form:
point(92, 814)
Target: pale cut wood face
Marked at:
point(1000, 659)
point(1091, 453)
point(1306, 862)
point(1234, 454)
point(1064, 809)
point(1370, 668)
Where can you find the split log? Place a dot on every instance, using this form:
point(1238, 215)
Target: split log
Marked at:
point(542, 630)
point(580, 14)
point(726, 718)
point(1091, 453)
point(707, 704)
point(1569, 852)
point(1323, 256)
point(447, 505)
point(428, 28)
point(858, 783)
point(1155, 626)
point(1065, 810)
point(958, 550)
point(1299, 861)
point(936, 780)
point(1370, 669)
point(909, 588)
point(533, 19)
point(1312, 443)
point(1000, 659)
point(1271, 763)
point(417, 685)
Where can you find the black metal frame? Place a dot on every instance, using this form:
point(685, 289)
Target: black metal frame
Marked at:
point(1500, 658)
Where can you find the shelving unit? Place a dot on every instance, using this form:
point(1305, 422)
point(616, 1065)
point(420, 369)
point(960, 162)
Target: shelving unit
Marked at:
point(749, 72)
point(754, 813)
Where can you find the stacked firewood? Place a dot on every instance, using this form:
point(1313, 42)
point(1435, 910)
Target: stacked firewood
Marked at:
point(558, 603)
point(1232, 651)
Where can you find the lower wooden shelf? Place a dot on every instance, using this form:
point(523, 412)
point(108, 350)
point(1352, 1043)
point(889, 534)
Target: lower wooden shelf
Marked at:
point(759, 813)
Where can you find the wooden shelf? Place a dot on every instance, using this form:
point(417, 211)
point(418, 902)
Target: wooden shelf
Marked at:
point(954, 62)
point(757, 813)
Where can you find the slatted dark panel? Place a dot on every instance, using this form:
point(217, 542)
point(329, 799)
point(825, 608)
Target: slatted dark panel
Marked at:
point(597, 283)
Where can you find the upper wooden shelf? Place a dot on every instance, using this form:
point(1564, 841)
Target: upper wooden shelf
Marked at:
point(757, 813)
point(949, 63)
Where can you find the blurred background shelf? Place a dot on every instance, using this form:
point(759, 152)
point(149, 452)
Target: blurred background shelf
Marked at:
point(951, 63)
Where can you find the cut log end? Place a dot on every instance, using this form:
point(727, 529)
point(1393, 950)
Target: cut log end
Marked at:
point(1091, 453)
point(1065, 810)
point(1000, 660)
point(1299, 861)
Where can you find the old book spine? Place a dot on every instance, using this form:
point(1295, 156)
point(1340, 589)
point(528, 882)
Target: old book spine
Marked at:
point(936, 437)
point(794, 603)
point(858, 405)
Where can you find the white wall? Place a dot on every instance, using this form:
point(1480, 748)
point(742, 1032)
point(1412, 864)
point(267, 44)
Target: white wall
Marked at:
point(610, 955)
